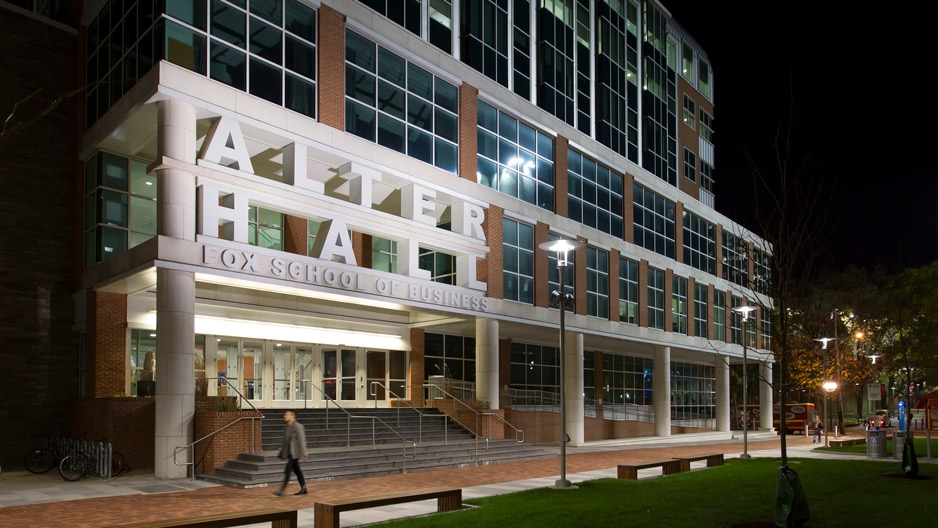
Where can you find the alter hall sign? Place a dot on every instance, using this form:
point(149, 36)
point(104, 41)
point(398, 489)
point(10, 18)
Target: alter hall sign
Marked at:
point(223, 215)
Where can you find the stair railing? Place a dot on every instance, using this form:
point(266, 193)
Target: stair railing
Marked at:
point(372, 390)
point(348, 428)
point(190, 447)
point(478, 419)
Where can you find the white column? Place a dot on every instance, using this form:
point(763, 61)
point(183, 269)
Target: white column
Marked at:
point(662, 379)
point(765, 396)
point(722, 367)
point(175, 369)
point(487, 361)
point(175, 292)
point(573, 403)
point(175, 191)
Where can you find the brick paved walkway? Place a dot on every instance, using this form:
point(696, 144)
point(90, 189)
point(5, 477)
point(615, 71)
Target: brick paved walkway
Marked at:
point(118, 510)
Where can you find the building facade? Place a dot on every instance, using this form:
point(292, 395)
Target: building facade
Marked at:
point(301, 201)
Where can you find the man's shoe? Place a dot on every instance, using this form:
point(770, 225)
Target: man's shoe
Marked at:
point(302, 491)
point(278, 493)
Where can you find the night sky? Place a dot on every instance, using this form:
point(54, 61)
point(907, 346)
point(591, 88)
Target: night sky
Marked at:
point(862, 83)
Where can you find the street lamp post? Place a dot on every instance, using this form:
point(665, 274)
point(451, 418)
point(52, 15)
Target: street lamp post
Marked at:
point(745, 311)
point(563, 247)
point(825, 385)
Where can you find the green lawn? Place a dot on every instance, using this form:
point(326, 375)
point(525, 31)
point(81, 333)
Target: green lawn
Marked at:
point(918, 440)
point(839, 492)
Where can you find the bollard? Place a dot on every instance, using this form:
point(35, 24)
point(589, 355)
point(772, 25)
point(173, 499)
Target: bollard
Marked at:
point(836, 431)
point(806, 431)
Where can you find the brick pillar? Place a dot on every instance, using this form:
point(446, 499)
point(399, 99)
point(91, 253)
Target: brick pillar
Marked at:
point(751, 266)
point(294, 235)
point(691, 309)
point(579, 278)
point(106, 341)
point(491, 267)
point(365, 260)
point(614, 256)
point(643, 293)
point(668, 291)
point(628, 199)
point(468, 131)
point(710, 311)
point(541, 290)
point(719, 251)
point(560, 176)
point(416, 374)
point(331, 67)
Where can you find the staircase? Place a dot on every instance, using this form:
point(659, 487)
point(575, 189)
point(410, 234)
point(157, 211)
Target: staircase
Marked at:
point(339, 451)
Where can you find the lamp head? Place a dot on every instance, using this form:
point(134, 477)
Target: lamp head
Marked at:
point(824, 341)
point(830, 386)
point(745, 311)
point(563, 246)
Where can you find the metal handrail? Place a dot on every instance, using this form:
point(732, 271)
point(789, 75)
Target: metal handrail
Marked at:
point(478, 416)
point(191, 446)
point(348, 430)
point(373, 392)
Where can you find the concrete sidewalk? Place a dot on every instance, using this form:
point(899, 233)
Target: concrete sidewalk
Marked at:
point(137, 497)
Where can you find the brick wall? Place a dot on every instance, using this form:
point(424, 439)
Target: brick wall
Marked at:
point(468, 131)
point(106, 344)
point(294, 235)
point(127, 423)
point(490, 268)
point(38, 177)
point(331, 67)
point(224, 445)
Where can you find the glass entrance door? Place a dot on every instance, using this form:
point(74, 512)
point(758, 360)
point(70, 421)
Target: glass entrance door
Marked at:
point(348, 373)
point(376, 368)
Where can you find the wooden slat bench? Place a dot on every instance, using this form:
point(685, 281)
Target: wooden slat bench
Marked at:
point(668, 466)
point(326, 512)
point(713, 459)
point(846, 442)
point(277, 518)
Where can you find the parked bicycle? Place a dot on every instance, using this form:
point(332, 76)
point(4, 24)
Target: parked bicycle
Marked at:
point(93, 461)
point(48, 456)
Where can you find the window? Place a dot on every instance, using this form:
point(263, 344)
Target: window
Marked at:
point(485, 41)
point(405, 13)
point(693, 394)
point(628, 291)
point(442, 266)
point(751, 329)
point(699, 243)
point(690, 165)
point(440, 24)
point(700, 310)
point(616, 80)
point(736, 321)
point(383, 254)
point(678, 305)
point(719, 315)
point(521, 46)
point(655, 299)
point(629, 380)
point(553, 273)
point(659, 97)
point(514, 158)
point(765, 321)
point(265, 228)
point(735, 260)
point(706, 176)
point(690, 112)
point(703, 83)
point(595, 194)
point(597, 283)
point(450, 356)
point(399, 105)
point(706, 126)
point(518, 258)
point(119, 207)
point(653, 222)
point(687, 64)
point(268, 50)
point(555, 50)
point(535, 368)
point(762, 281)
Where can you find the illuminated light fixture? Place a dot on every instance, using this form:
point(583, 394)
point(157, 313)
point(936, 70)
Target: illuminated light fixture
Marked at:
point(745, 311)
point(224, 326)
point(152, 335)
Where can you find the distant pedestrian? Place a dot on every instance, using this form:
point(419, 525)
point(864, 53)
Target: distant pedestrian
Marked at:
point(818, 429)
point(293, 450)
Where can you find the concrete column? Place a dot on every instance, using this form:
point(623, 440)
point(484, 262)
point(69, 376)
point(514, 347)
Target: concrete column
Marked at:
point(722, 367)
point(175, 391)
point(662, 379)
point(175, 191)
point(765, 396)
point(487, 361)
point(573, 374)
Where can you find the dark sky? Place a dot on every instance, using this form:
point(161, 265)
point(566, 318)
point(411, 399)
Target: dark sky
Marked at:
point(862, 81)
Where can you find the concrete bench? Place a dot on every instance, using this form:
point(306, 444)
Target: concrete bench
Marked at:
point(326, 512)
point(840, 442)
point(276, 517)
point(668, 466)
point(713, 459)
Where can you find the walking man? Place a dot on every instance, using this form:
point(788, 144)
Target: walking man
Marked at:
point(293, 451)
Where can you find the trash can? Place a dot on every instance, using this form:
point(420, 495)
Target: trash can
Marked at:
point(876, 443)
point(898, 441)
